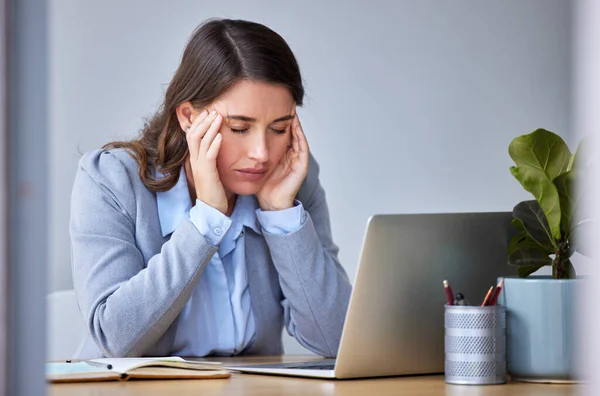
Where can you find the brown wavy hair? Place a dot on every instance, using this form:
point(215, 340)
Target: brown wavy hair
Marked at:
point(219, 53)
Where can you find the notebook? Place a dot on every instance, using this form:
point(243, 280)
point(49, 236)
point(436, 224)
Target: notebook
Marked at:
point(122, 369)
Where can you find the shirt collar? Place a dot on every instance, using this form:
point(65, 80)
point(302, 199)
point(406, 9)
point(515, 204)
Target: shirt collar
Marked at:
point(243, 215)
point(174, 207)
point(244, 212)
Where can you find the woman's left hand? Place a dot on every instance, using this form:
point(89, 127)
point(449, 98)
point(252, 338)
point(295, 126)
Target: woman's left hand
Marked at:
point(282, 186)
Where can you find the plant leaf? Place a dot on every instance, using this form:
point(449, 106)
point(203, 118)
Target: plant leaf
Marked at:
point(514, 243)
point(541, 156)
point(542, 150)
point(546, 194)
point(522, 241)
point(526, 253)
point(535, 223)
point(518, 224)
point(529, 256)
point(568, 195)
point(526, 270)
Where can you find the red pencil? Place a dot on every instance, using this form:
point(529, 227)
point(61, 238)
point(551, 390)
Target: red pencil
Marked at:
point(449, 294)
point(497, 293)
point(486, 300)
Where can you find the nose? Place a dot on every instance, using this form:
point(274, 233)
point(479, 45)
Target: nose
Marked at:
point(258, 148)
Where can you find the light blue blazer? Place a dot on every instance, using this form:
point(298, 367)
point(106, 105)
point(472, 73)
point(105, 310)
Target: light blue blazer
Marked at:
point(132, 283)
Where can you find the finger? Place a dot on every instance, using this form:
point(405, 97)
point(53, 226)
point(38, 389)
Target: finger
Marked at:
point(210, 134)
point(197, 134)
point(201, 124)
point(295, 140)
point(296, 120)
point(191, 138)
point(302, 142)
point(213, 150)
point(196, 122)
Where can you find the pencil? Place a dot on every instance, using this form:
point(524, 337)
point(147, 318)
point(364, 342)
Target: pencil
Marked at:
point(99, 364)
point(486, 300)
point(497, 293)
point(449, 294)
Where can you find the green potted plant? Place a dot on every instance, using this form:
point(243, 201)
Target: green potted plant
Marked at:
point(540, 309)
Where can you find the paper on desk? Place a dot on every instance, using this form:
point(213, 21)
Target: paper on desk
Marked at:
point(60, 368)
point(139, 368)
point(124, 365)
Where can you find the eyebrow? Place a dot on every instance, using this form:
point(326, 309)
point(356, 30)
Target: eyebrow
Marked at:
point(250, 119)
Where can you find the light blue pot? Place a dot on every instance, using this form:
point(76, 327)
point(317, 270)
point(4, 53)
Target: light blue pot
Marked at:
point(540, 328)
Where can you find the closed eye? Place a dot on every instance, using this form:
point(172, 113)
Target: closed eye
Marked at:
point(239, 130)
point(278, 131)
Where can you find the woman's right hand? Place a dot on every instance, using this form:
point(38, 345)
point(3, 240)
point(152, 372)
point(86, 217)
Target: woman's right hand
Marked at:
point(204, 141)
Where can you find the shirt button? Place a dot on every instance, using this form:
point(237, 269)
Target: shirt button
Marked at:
point(218, 231)
point(242, 233)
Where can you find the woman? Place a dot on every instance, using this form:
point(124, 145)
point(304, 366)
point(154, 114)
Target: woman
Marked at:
point(210, 232)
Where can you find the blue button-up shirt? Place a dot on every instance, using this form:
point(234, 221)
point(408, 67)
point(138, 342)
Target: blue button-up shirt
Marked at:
point(218, 319)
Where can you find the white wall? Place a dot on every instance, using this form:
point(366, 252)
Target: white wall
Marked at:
point(411, 104)
point(586, 122)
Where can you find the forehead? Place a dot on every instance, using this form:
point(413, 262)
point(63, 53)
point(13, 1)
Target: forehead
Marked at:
point(256, 99)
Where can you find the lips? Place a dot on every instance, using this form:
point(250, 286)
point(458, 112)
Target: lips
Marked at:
point(253, 170)
point(251, 174)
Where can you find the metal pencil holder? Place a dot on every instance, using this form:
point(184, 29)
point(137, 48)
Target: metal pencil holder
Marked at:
point(475, 344)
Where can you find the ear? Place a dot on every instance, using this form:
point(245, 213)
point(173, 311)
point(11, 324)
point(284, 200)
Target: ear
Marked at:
point(186, 114)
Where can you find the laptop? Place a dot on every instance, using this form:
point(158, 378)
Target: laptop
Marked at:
point(395, 319)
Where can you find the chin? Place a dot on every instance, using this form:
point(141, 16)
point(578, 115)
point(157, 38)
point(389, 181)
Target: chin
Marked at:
point(245, 188)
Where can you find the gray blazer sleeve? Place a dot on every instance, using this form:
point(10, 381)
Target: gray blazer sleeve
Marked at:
point(126, 304)
point(315, 285)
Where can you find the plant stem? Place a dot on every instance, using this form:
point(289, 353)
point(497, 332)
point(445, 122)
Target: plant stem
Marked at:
point(558, 264)
point(558, 268)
